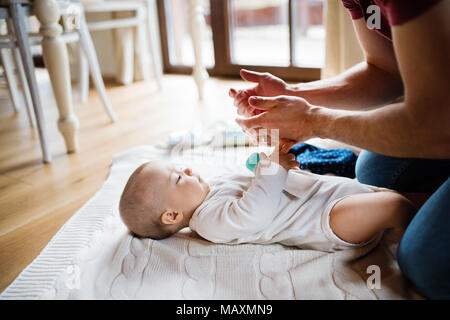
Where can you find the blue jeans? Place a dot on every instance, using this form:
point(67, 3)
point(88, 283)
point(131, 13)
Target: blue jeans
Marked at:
point(424, 251)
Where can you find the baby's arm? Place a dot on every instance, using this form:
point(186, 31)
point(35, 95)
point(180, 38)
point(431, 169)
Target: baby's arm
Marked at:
point(226, 219)
point(358, 218)
point(257, 206)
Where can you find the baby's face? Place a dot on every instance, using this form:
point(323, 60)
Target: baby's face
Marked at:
point(182, 190)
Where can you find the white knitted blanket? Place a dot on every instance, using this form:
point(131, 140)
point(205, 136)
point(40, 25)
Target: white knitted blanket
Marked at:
point(94, 257)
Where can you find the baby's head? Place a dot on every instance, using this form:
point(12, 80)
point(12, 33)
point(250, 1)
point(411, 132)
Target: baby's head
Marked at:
point(159, 199)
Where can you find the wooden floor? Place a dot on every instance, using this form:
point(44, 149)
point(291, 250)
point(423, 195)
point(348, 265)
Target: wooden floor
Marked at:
point(36, 199)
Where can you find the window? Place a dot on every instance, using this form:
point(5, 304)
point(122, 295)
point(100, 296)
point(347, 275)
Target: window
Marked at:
point(259, 32)
point(284, 37)
point(180, 51)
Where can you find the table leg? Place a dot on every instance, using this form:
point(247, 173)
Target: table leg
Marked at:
point(57, 63)
point(197, 26)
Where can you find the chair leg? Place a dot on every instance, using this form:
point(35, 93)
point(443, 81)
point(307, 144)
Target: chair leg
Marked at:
point(140, 45)
point(152, 42)
point(83, 74)
point(8, 67)
point(124, 49)
point(25, 88)
point(89, 51)
point(18, 15)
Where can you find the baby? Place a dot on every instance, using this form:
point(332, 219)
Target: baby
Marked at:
point(287, 206)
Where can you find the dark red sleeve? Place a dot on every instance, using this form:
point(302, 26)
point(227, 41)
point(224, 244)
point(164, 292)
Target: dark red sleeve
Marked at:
point(401, 11)
point(354, 8)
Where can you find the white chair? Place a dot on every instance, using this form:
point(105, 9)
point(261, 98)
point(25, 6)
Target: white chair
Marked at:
point(17, 37)
point(88, 62)
point(15, 14)
point(10, 58)
point(143, 12)
point(88, 58)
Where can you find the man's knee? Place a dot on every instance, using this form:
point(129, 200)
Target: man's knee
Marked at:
point(424, 272)
point(401, 174)
point(378, 170)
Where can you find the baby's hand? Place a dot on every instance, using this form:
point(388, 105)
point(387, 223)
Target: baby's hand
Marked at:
point(287, 161)
point(284, 159)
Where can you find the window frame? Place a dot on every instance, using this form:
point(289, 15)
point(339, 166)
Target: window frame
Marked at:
point(223, 64)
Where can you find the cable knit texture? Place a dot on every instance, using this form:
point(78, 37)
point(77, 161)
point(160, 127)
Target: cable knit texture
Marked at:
point(93, 256)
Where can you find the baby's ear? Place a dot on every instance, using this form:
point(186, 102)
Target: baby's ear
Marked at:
point(171, 217)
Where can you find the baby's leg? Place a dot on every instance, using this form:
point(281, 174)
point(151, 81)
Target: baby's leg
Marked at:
point(418, 199)
point(359, 217)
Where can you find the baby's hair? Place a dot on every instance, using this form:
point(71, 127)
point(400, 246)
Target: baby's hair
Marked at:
point(141, 214)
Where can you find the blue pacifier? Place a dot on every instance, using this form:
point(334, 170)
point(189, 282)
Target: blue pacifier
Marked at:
point(252, 161)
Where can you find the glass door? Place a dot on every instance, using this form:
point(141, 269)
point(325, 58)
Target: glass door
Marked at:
point(284, 37)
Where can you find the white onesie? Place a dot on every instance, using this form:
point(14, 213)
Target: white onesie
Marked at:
point(288, 207)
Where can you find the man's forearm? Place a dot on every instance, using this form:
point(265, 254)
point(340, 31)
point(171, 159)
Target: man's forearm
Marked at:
point(361, 87)
point(390, 130)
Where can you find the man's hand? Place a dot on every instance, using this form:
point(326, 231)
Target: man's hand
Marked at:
point(267, 86)
point(292, 116)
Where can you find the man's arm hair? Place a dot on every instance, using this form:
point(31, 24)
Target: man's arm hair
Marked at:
point(374, 82)
point(419, 126)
